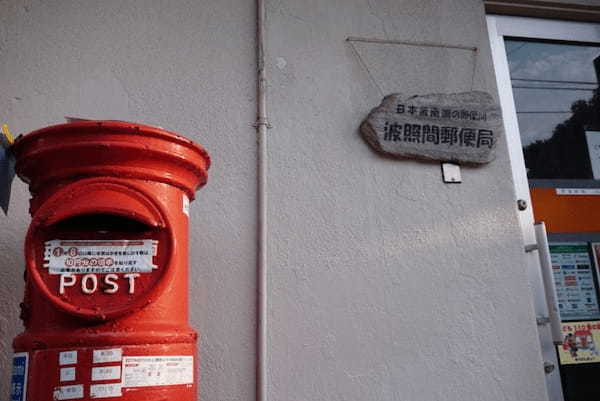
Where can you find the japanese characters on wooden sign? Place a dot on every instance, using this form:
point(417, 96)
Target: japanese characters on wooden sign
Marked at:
point(457, 127)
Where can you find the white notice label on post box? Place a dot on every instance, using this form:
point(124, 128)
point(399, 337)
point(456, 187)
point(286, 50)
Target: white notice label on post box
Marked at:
point(67, 358)
point(100, 256)
point(144, 371)
point(67, 374)
point(107, 355)
point(105, 390)
point(106, 373)
point(73, 392)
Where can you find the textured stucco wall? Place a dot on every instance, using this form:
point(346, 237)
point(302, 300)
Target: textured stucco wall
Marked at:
point(187, 66)
point(385, 283)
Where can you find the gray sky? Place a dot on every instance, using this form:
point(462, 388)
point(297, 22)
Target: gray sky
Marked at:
point(548, 61)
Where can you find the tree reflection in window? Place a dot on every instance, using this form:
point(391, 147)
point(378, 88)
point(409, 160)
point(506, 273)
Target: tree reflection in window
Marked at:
point(565, 154)
point(555, 86)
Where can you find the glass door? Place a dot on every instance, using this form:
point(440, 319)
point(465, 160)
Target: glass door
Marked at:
point(547, 74)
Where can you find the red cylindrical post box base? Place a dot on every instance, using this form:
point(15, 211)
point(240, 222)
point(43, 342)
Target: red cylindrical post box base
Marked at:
point(151, 372)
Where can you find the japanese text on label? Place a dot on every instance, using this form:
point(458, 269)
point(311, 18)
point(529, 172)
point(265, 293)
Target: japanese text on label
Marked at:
point(142, 371)
point(98, 256)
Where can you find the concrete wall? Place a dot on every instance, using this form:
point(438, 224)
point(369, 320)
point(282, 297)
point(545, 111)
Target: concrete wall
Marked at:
point(385, 283)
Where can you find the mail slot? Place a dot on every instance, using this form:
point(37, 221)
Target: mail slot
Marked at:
point(106, 297)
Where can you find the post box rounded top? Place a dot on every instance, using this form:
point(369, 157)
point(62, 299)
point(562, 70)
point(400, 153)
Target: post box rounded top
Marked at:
point(84, 149)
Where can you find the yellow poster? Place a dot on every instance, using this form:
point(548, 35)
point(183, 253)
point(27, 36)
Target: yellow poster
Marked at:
point(581, 343)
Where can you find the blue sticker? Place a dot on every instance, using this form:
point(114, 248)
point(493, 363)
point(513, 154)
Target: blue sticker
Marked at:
point(18, 384)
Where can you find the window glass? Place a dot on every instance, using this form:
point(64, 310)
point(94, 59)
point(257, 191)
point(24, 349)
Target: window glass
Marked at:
point(558, 107)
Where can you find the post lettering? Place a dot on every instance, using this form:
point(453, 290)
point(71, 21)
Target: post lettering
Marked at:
point(110, 279)
point(84, 283)
point(131, 277)
point(64, 283)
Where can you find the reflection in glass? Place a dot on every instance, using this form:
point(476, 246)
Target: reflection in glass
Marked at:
point(555, 86)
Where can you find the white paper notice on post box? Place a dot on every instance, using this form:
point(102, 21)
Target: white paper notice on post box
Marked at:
point(108, 355)
point(144, 371)
point(100, 256)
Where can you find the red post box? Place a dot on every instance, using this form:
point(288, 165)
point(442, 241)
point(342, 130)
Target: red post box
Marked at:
point(106, 298)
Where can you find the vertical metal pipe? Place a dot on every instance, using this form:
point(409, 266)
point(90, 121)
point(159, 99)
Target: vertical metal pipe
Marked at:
point(261, 132)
